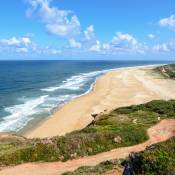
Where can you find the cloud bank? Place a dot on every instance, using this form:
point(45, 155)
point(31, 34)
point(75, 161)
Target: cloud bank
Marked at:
point(65, 24)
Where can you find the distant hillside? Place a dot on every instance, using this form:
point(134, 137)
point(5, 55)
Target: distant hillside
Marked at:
point(168, 71)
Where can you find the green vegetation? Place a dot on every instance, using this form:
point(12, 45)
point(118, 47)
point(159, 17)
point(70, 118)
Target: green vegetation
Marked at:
point(157, 107)
point(167, 71)
point(158, 159)
point(96, 170)
point(122, 127)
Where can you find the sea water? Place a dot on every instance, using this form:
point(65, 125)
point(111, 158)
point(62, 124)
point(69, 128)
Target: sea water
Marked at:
point(31, 90)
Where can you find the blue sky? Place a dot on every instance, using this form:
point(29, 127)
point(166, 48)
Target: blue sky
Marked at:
point(98, 29)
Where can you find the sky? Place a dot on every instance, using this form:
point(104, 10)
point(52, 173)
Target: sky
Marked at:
point(77, 29)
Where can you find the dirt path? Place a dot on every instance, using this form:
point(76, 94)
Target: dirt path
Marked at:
point(160, 132)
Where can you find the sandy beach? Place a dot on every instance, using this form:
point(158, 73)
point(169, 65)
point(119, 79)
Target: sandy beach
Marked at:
point(121, 87)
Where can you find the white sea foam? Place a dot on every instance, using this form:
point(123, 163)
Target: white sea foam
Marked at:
point(53, 102)
point(75, 82)
point(19, 114)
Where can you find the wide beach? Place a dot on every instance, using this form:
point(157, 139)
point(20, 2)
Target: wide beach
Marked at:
point(120, 87)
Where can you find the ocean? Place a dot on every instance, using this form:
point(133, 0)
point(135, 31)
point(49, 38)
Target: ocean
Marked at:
point(33, 90)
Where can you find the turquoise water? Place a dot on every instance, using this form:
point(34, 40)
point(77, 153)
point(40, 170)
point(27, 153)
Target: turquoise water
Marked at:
point(33, 89)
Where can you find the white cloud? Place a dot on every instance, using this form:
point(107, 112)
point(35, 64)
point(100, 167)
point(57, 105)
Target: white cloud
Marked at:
point(24, 45)
point(25, 40)
point(13, 41)
point(16, 44)
point(124, 42)
point(22, 50)
point(124, 39)
point(53, 51)
point(121, 43)
point(89, 32)
point(106, 46)
point(165, 47)
point(151, 36)
point(168, 22)
point(168, 47)
point(66, 24)
point(10, 42)
point(48, 50)
point(96, 47)
point(59, 22)
point(74, 44)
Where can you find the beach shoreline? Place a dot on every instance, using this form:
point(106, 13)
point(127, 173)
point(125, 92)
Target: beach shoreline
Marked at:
point(102, 98)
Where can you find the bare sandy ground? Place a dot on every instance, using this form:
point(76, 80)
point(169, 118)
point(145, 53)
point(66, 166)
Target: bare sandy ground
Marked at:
point(160, 132)
point(117, 88)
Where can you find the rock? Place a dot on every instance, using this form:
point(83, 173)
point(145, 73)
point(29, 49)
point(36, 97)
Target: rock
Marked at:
point(133, 164)
point(94, 115)
point(158, 118)
point(61, 157)
point(134, 121)
point(151, 147)
point(117, 139)
point(74, 155)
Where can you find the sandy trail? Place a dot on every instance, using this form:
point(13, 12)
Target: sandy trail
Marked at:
point(160, 132)
point(122, 87)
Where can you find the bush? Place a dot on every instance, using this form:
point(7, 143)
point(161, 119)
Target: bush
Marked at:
point(157, 159)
